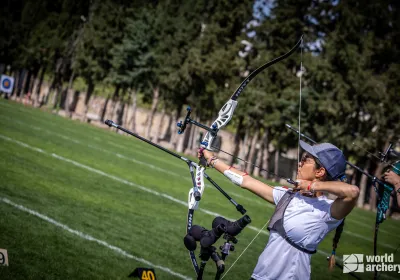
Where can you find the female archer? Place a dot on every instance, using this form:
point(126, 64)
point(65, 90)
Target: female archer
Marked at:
point(303, 217)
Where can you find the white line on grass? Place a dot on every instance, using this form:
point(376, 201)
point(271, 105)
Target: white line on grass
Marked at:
point(118, 179)
point(156, 192)
point(134, 160)
point(91, 238)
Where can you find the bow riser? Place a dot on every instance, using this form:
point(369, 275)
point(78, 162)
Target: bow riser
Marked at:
point(224, 116)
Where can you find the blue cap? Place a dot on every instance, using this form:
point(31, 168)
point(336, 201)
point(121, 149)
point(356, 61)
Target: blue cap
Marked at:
point(331, 158)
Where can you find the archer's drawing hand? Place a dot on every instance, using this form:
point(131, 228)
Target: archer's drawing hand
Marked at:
point(303, 185)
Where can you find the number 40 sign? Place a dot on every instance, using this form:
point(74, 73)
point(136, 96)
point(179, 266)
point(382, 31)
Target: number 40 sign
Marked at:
point(143, 273)
point(3, 257)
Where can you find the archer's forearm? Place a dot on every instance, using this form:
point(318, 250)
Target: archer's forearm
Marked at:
point(253, 185)
point(340, 189)
point(222, 166)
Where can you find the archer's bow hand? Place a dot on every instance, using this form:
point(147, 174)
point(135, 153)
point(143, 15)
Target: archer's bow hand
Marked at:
point(204, 156)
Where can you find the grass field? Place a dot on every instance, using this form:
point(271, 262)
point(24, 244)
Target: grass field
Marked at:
point(80, 202)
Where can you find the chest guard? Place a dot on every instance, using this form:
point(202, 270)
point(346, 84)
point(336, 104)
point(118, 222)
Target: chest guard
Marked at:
point(276, 221)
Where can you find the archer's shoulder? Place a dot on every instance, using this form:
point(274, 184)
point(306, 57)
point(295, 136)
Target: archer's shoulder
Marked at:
point(278, 193)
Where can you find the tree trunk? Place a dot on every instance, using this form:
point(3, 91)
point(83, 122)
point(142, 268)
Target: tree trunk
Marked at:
point(67, 97)
point(261, 155)
point(32, 82)
point(119, 107)
point(237, 140)
point(46, 96)
point(160, 126)
point(89, 92)
point(114, 100)
point(156, 95)
point(276, 164)
point(126, 114)
point(103, 112)
point(14, 92)
point(120, 112)
point(363, 186)
point(259, 159)
point(266, 154)
point(56, 96)
point(27, 83)
point(21, 83)
point(244, 149)
point(56, 79)
point(253, 151)
point(132, 122)
point(38, 86)
point(30, 86)
point(167, 134)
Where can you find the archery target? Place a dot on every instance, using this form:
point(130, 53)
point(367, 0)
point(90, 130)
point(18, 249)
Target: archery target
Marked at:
point(6, 84)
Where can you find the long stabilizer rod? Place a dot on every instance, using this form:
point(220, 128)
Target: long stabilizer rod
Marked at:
point(239, 207)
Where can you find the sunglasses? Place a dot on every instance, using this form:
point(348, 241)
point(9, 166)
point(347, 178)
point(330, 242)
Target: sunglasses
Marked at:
point(307, 158)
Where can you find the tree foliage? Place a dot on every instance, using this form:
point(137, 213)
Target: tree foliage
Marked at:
point(197, 53)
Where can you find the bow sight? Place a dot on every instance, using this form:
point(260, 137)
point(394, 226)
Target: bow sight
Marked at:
point(182, 125)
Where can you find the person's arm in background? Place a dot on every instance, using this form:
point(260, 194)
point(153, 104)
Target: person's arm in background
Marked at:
point(394, 179)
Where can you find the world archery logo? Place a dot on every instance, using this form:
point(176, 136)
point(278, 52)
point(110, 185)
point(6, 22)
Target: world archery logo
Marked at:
point(353, 263)
point(371, 263)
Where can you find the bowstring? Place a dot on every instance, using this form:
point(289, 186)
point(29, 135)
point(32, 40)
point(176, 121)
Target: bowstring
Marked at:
point(300, 93)
point(245, 249)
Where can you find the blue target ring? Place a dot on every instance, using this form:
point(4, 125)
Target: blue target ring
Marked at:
point(6, 83)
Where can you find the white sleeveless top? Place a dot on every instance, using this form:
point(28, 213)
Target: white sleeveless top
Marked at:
point(307, 220)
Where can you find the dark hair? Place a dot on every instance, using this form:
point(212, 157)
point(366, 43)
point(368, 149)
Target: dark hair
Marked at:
point(318, 165)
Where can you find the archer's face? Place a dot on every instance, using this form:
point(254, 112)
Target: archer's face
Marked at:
point(307, 168)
